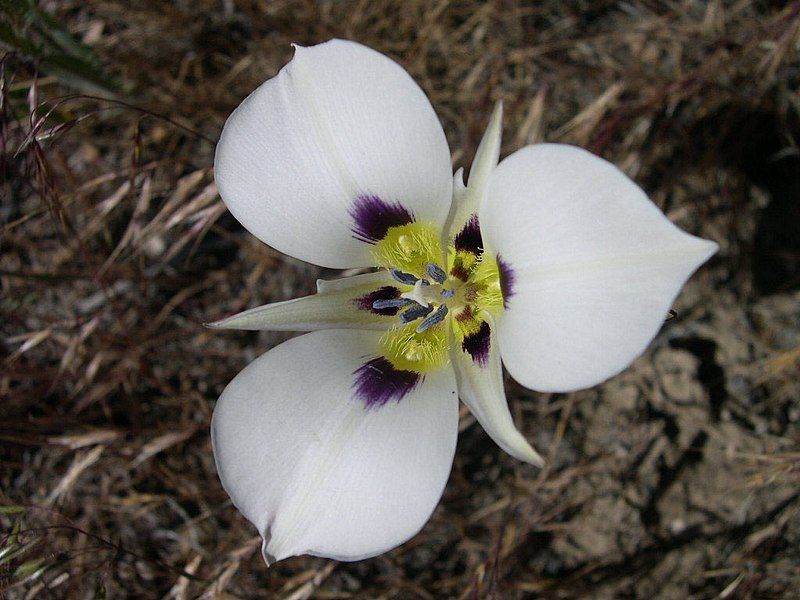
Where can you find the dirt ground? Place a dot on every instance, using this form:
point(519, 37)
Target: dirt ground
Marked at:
point(679, 478)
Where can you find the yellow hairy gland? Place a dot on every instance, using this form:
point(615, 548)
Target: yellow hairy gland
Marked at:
point(409, 248)
point(466, 321)
point(461, 263)
point(486, 279)
point(423, 352)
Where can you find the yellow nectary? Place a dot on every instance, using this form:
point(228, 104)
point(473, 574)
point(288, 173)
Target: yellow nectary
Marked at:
point(409, 248)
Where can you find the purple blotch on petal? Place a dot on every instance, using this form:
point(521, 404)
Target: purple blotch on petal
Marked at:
point(478, 344)
point(377, 382)
point(469, 238)
point(507, 279)
point(387, 292)
point(372, 218)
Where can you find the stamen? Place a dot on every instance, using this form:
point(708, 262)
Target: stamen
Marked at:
point(414, 313)
point(392, 303)
point(433, 319)
point(436, 272)
point(406, 278)
point(448, 294)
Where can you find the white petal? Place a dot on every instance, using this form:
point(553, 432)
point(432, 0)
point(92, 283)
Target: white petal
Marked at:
point(339, 122)
point(480, 387)
point(314, 469)
point(467, 200)
point(339, 304)
point(596, 265)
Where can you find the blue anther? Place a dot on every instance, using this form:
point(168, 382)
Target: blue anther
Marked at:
point(406, 278)
point(392, 303)
point(433, 319)
point(414, 313)
point(436, 272)
point(448, 294)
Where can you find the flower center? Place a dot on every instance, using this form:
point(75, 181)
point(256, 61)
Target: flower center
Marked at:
point(440, 294)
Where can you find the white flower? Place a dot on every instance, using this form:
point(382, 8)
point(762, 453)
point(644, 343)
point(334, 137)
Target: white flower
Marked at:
point(338, 443)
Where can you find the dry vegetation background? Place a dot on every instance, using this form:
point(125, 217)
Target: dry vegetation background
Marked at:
point(680, 478)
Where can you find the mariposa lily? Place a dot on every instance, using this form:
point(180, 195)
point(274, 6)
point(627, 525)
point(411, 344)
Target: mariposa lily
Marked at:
point(338, 443)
